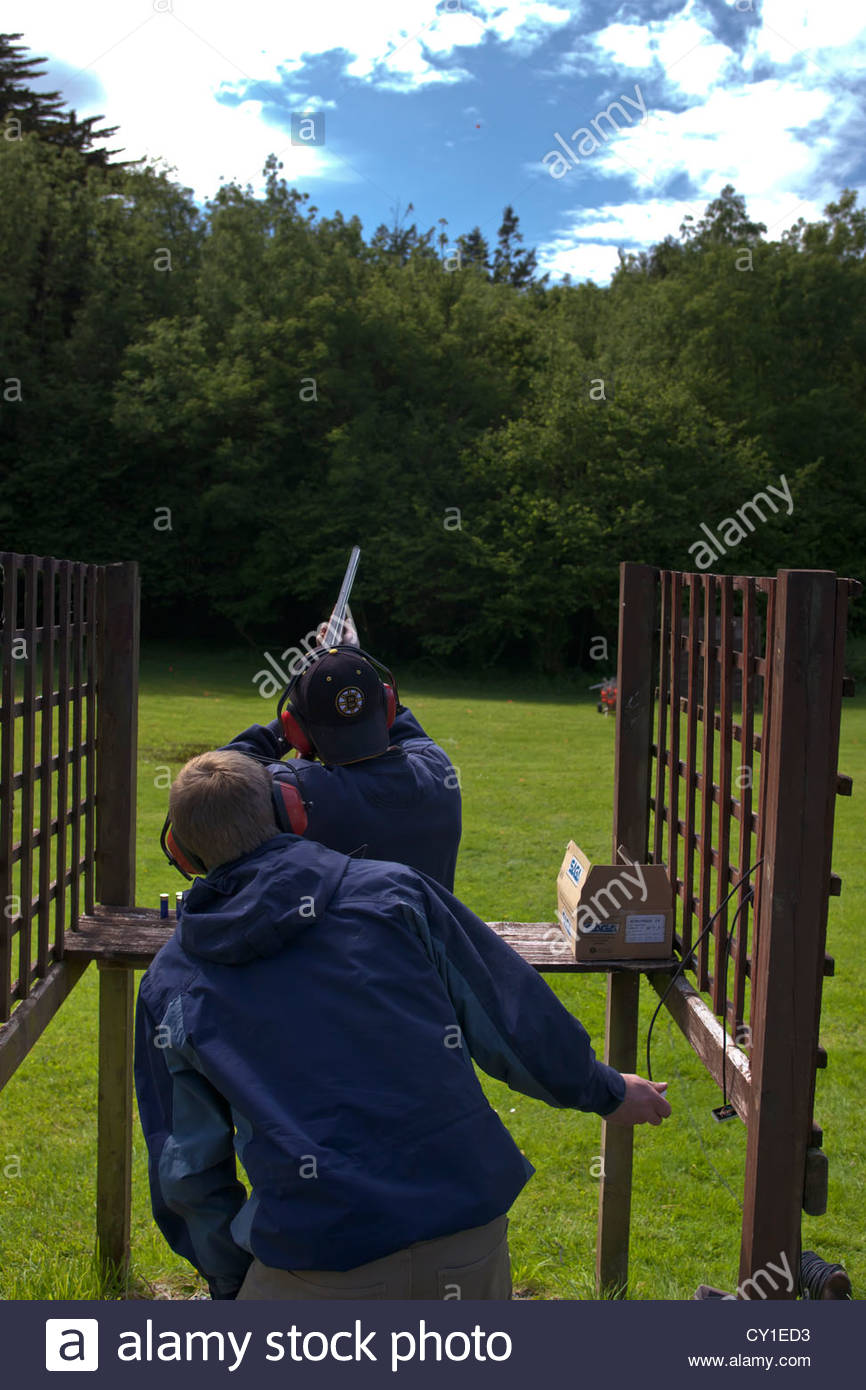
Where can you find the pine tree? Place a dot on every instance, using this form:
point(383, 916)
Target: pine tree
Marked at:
point(474, 250)
point(724, 220)
point(25, 111)
point(508, 266)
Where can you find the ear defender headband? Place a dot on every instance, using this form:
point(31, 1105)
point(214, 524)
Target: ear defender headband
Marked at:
point(177, 854)
point(293, 719)
point(290, 815)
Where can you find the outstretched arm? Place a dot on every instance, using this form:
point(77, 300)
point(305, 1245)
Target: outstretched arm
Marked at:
point(514, 1025)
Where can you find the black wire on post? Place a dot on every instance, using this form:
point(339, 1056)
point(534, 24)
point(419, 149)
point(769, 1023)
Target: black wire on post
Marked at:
point(685, 960)
point(749, 897)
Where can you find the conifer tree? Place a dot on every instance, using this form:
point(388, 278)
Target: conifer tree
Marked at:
point(23, 110)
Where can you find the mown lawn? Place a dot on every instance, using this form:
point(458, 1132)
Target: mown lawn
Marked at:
point(536, 767)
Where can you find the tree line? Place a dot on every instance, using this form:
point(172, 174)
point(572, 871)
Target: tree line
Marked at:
point(234, 393)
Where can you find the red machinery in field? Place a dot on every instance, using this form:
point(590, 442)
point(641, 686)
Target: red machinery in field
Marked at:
point(607, 696)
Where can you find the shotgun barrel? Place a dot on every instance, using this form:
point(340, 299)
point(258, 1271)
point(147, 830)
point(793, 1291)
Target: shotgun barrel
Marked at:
point(334, 630)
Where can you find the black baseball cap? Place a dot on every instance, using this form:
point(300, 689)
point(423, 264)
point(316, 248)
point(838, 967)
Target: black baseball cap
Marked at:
point(341, 704)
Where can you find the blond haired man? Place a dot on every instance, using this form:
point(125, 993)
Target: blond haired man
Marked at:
point(317, 1016)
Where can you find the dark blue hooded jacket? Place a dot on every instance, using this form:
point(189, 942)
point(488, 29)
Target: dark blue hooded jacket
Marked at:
point(403, 805)
point(317, 1015)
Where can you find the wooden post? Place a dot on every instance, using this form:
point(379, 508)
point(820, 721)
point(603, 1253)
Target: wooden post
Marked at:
point(789, 953)
point(117, 737)
point(114, 1160)
point(117, 734)
point(634, 712)
point(617, 1145)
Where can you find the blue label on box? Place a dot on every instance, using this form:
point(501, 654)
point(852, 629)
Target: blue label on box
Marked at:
point(601, 929)
point(575, 869)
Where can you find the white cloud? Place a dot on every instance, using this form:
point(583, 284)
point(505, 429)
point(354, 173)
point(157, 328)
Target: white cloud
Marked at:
point(584, 260)
point(741, 135)
point(161, 72)
point(162, 63)
point(768, 138)
point(589, 248)
point(789, 27)
point(629, 45)
point(680, 51)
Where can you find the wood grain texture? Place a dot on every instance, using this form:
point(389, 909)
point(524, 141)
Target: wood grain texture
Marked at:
point(132, 936)
point(117, 734)
point(114, 1115)
point(798, 788)
point(32, 1017)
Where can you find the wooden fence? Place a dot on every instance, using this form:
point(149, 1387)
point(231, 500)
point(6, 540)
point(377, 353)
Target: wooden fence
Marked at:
point(68, 733)
point(708, 810)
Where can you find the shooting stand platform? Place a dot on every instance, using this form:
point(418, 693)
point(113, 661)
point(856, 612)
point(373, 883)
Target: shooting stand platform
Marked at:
point(131, 937)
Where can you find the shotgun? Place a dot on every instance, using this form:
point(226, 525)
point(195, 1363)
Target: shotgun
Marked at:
point(334, 631)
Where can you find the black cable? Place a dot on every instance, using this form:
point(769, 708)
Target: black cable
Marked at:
point(685, 960)
point(747, 898)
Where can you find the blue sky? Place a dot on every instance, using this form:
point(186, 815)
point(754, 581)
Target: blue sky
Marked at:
point(456, 106)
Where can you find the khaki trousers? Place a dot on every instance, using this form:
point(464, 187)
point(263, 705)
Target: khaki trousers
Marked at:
point(468, 1264)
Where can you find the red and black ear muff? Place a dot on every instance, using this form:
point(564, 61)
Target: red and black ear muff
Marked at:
point(390, 703)
point(177, 854)
point(293, 729)
point(294, 734)
point(290, 811)
point(390, 694)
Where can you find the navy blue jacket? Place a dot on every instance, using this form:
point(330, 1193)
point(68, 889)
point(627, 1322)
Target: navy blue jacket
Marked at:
point(403, 805)
point(316, 1015)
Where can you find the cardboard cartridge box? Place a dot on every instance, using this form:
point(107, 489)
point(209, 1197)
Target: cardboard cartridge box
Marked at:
point(614, 912)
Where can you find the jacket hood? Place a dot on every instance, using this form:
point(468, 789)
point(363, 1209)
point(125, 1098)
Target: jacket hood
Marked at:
point(255, 905)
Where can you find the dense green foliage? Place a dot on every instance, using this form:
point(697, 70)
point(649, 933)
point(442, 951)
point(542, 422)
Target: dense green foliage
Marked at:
point(233, 394)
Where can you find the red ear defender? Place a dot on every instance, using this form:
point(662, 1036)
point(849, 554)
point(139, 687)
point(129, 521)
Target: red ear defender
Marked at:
point(390, 704)
point(294, 734)
point(290, 812)
point(190, 865)
point(181, 858)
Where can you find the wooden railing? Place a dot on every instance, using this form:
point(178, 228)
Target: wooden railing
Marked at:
point(68, 735)
point(678, 803)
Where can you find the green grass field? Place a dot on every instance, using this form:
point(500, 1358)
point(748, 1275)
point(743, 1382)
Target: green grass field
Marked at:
point(536, 766)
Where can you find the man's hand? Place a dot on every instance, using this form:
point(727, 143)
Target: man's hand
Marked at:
point(643, 1103)
point(348, 637)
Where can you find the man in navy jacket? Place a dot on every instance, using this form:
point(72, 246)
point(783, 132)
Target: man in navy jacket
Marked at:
point(383, 788)
point(317, 1016)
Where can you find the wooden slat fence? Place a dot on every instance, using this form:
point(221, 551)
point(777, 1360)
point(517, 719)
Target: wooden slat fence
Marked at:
point(748, 682)
point(53, 660)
